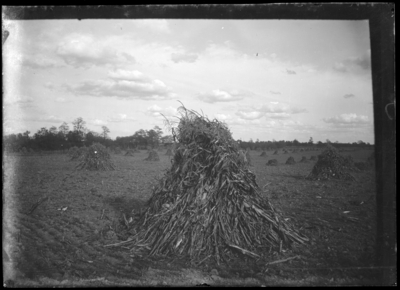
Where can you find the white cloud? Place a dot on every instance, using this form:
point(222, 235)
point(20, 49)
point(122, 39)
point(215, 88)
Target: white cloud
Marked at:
point(97, 122)
point(184, 57)
point(278, 115)
point(347, 119)
point(271, 110)
point(156, 111)
point(354, 64)
point(275, 93)
point(221, 96)
point(124, 84)
point(280, 107)
point(118, 118)
point(40, 61)
point(339, 66)
point(220, 52)
point(61, 100)
point(46, 118)
point(129, 75)
point(21, 101)
point(250, 115)
point(83, 50)
point(223, 117)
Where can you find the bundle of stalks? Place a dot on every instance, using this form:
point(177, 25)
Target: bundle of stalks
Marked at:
point(23, 150)
point(169, 152)
point(153, 156)
point(290, 161)
point(129, 152)
point(117, 150)
point(331, 164)
point(276, 152)
point(78, 154)
point(272, 162)
point(303, 159)
point(72, 151)
point(349, 163)
point(285, 151)
point(96, 157)
point(301, 150)
point(30, 150)
point(313, 158)
point(208, 206)
point(263, 154)
point(248, 158)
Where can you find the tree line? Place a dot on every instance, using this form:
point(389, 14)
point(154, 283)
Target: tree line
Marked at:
point(64, 137)
point(268, 145)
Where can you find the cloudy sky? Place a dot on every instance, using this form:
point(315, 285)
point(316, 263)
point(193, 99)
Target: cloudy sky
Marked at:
point(267, 79)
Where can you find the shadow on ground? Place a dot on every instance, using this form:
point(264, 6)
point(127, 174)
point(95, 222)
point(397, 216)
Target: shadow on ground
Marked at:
point(124, 204)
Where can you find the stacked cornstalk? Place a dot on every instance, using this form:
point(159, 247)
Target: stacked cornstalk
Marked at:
point(331, 164)
point(208, 206)
point(248, 158)
point(272, 162)
point(276, 152)
point(263, 154)
point(153, 156)
point(79, 153)
point(117, 150)
point(313, 158)
point(169, 152)
point(23, 150)
point(96, 157)
point(290, 161)
point(129, 152)
point(349, 162)
point(72, 151)
point(303, 159)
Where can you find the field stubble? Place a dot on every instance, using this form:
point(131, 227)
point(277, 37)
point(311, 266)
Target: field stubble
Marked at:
point(59, 219)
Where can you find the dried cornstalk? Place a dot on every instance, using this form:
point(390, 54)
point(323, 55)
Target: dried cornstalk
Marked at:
point(331, 164)
point(96, 157)
point(208, 204)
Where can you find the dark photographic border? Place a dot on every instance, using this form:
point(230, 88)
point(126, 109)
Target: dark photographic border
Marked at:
point(381, 24)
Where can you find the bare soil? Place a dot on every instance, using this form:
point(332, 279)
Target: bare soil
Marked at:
point(56, 222)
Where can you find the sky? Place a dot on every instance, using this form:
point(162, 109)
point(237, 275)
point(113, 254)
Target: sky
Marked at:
point(266, 79)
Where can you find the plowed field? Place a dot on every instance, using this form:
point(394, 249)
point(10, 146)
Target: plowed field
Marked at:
point(56, 221)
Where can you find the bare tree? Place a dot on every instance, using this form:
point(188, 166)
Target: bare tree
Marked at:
point(79, 125)
point(64, 128)
point(105, 131)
